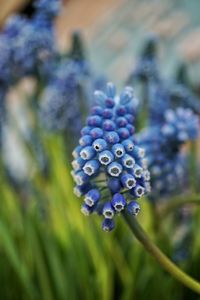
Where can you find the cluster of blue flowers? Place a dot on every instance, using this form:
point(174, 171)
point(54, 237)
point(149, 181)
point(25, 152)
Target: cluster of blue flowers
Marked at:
point(180, 125)
point(171, 121)
point(27, 44)
point(109, 167)
point(27, 48)
point(162, 143)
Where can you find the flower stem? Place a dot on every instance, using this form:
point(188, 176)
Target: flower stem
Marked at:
point(163, 260)
point(178, 202)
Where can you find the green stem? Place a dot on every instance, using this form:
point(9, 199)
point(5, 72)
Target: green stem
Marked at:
point(164, 261)
point(177, 202)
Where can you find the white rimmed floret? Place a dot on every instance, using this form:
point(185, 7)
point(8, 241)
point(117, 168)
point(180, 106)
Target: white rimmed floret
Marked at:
point(91, 167)
point(92, 197)
point(99, 145)
point(128, 181)
point(131, 182)
point(106, 157)
point(118, 202)
point(114, 169)
point(128, 161)
point(87, 153)
point(118, 150)
point(108, 211)
point(139, 191)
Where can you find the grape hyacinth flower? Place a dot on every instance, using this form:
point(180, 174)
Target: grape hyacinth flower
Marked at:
point(180, 125)
point(28, 44)
point(108, 166)
point(167, 165)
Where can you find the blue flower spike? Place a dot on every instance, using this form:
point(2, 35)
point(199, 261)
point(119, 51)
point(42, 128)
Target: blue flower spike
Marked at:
point(109, 166)
point(165, 160)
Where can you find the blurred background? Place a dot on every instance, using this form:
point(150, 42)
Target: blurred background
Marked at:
point(53, 55)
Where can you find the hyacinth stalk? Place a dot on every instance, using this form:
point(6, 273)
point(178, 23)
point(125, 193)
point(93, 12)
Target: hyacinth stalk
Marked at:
point(110, 171)
point(162, 259)
point(108, 167)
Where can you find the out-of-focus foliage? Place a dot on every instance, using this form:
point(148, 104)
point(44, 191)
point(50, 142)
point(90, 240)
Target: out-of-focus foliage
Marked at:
point(49, 250)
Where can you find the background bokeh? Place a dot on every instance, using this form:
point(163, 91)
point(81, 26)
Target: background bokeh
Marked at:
point(49, 250)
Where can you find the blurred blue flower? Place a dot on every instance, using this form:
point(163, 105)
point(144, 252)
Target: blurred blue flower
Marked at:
point(162, 143)
point(108, 166)
point(27, 46)
point(180, 125)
